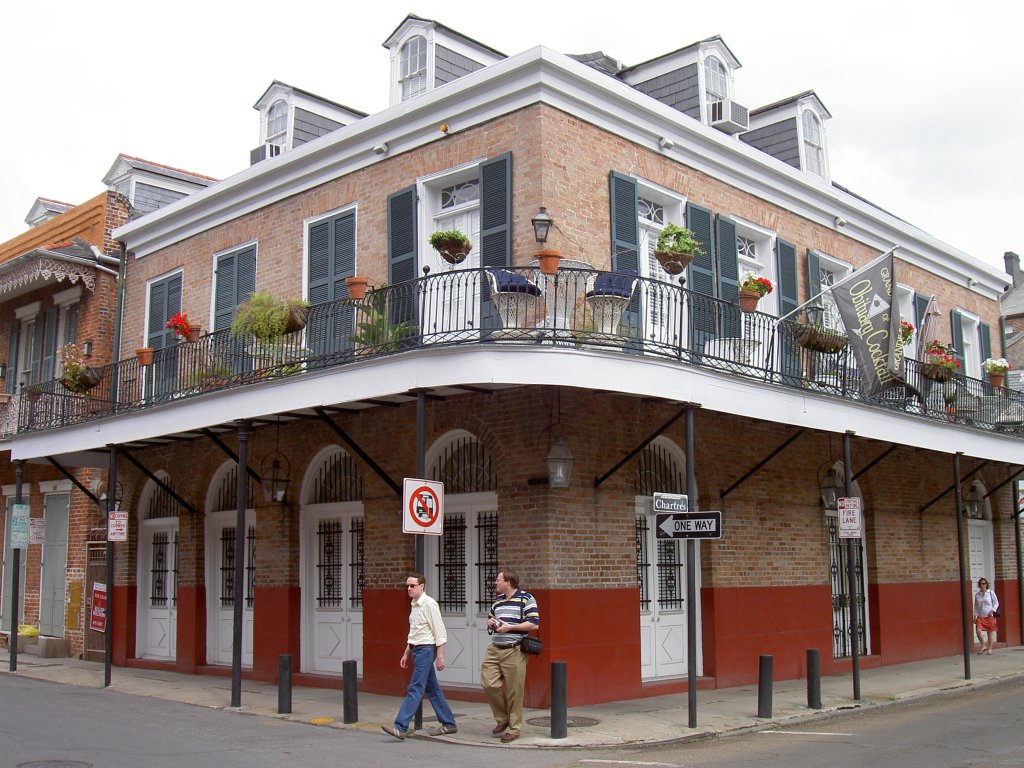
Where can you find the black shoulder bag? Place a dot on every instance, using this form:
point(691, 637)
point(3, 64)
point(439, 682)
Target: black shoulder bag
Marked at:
point(529, 645)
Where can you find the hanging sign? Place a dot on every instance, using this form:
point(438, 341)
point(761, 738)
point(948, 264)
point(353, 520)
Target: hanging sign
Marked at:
point(422, 506)
point(691, 525)
point(19, 526)
point(851, 521)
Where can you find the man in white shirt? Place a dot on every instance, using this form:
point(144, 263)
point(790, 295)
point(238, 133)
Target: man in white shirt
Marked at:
point(425, 646)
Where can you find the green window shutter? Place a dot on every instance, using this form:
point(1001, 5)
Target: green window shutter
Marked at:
point(332, 258)
point(402, 255)
point(701, 276)
point(50, 344)
point(957, 323)
point(625, 229)
point(813, 274)
point(71, 323)
point(12, 358)
point(164, 302)
point(728, 268)
point(786, 276)
point(37, 350)
point(985, 336)
point(920, 307)
point(496, 211)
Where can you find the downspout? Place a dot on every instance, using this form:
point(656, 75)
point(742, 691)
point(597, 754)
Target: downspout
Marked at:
point(118, 310)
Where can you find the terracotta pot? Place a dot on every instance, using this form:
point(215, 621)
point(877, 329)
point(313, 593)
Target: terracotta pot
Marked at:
point(951, 412)
point(357, 287)
point(548, 261)
point(672, 262)
point(748, 301)
point(997, 379)
point(145, 355)
point(193, 333)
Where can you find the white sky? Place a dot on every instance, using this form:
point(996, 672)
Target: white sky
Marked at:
point(925, 96)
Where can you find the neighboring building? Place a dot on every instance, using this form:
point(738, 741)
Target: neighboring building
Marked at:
point(505, 367)
point(58, 294)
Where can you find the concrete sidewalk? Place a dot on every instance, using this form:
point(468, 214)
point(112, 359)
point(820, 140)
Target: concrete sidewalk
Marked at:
point(719, 712)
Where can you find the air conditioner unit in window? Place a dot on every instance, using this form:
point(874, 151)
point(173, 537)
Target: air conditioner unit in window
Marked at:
point(728, 116)
point(263, 152)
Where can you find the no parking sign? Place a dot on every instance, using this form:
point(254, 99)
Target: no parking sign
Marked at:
point(422, 506)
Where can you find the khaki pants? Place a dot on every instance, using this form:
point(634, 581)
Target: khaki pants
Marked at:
point(508, 666)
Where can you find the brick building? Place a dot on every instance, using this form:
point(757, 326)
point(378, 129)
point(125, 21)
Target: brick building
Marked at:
point(58, 300)
point(477, 373)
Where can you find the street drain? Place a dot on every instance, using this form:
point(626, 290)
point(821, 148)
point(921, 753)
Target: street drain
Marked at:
point(572, 722)
point(55, 764)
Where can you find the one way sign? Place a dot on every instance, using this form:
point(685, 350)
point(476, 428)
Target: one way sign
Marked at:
point(693, 525)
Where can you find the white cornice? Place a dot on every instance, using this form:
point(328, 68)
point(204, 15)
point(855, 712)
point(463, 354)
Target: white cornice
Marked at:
point(543, 76)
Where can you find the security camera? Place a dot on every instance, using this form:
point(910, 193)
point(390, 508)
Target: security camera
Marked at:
point(666, 143)
point(840, 221)
point(380, 149)
point(971, 283)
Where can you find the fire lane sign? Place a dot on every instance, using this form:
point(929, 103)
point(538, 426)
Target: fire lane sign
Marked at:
point(851, 518)
point(690, 525)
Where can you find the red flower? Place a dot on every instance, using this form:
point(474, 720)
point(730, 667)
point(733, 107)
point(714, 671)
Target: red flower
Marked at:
point(179, 322)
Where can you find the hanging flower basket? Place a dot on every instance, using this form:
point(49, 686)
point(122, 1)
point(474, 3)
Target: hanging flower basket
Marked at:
point(298, 314)
point(819, 339)
point(33, 393)
point(749, 300)
point(84, 380)
point(673, 262)
point(453, 251)
point(935, 372)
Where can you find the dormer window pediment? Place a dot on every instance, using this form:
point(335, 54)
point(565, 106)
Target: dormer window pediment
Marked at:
point(290, 117)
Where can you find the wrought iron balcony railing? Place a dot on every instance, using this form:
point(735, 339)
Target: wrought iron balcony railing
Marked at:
point(575, 308)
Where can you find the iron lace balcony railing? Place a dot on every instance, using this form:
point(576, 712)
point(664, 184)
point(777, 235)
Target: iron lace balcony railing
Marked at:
point(572, 309)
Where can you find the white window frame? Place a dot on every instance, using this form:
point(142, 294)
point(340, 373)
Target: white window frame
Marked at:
point(840, 269)
point(709, 97)
point(428, 189)
point(905, 296)
point(809, 148)
point(674, 205)
point(409, 77)
point(764, 265)
point(970, 324)
point(63, 301)
point(281, 138)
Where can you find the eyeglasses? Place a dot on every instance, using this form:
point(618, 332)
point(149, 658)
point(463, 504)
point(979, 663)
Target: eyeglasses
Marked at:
point(410, 586)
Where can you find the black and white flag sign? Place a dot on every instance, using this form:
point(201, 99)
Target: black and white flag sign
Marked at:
point(865, 302)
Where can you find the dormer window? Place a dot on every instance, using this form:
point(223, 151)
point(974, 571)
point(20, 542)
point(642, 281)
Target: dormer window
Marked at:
point(716, 80)
point(277, 124)
point(413, 73)
point(814, 153)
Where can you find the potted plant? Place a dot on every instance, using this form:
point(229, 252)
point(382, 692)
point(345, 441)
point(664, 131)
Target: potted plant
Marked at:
point(548, 260)
point(267, 317)
point(752, 288)
point(145, 355)
point(906, 334)
point(376, 332)
point(183, 329)
point(950, 399)
point(819, 338)
point(33, 392)
point(451, 244)
point(357, 287)
point(676, 248)
point(996, 368)
point(76, 375)
point(940, 361)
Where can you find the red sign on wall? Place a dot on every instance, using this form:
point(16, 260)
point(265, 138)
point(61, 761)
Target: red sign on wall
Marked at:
point(98, 611)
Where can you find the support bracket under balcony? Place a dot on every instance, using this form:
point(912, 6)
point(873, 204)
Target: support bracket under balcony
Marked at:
point(873, 462)
point(333, 426)
point(757, 467)
point(74, 480)
point(252, 473)
point(1010, 479)
point(163, 486)
point(647, 441)
point(953, 487)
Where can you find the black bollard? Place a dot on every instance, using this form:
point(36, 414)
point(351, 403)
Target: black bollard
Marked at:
point(764, 687)
point(350, 694)
point(284, 684)
point(559, 694)
point(813, 678)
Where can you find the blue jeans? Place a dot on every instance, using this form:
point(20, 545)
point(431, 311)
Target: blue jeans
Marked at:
point(423, 683)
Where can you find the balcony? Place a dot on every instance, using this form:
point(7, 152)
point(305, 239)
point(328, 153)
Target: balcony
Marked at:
point(575, 309)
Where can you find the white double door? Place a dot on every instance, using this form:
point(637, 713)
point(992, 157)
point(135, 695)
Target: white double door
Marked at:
point(450, 302)
point(661, 572)
point(54, 565)
point(980, 550)
point(221, 590)
point(331, 564)
point(158, 585)
point(460, 568)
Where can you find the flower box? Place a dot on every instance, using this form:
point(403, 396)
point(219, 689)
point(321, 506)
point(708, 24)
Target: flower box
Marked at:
point(936, 372)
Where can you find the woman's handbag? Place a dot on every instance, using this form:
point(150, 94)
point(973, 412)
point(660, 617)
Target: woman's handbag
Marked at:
point(530, 645)
point(996, 614)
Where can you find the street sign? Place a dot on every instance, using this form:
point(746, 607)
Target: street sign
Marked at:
point(117, 525)
point(422, 506)
point(98, 609)
point(671, 502)
point(36, 530)
point(19, 526)
point(691, 525)
point(851, 523)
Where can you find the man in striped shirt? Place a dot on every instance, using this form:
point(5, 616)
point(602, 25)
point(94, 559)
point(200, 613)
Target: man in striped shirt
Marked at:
point(513, 614)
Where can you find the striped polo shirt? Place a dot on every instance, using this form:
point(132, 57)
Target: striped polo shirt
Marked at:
point(514, 610)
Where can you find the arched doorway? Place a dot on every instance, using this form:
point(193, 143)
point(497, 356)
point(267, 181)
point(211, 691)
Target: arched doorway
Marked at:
point(461, 564)
point(331, 563)
point(839, 572)
point(980, 543)
point(221, 590)
point(661, 568)
point(157, 608)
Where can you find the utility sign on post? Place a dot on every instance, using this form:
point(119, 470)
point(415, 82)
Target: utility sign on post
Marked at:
point(19, 526)
point(117, 525)
point(422, 506)
point(671, 502)
point(690, 525)
point(851, 521)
